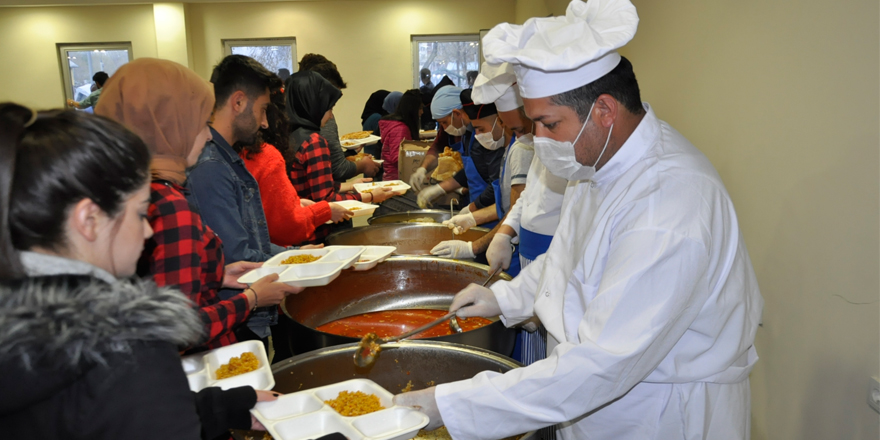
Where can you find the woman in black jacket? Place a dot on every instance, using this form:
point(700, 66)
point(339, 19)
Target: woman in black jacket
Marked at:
point(86, 352)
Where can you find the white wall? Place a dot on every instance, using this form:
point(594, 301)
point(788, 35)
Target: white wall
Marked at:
point(31, 73)
point(368, 40)
point(783, 98)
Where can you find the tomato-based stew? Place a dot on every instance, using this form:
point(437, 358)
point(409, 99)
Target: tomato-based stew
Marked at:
point(397, 322)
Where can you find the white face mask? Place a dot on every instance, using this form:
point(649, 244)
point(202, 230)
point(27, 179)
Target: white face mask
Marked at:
point(488, 141)
point(452, 130)
point(559, 157)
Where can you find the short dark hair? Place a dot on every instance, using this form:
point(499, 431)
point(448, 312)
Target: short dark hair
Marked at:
point(472, 74)
point(620, 83)
point(49, 163)
point(238, 72)
point(310, 59)
point(408, 111)
point(425, 73)
point(100, 78)
point(330, 73)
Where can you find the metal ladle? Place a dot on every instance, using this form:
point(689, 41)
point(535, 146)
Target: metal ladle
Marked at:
point(370, 346)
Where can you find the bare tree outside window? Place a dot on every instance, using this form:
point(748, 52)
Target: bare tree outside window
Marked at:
point(273, 54)
point(452, 56)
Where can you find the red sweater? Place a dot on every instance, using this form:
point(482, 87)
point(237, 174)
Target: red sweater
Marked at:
point(289, 223)
point(393, 133)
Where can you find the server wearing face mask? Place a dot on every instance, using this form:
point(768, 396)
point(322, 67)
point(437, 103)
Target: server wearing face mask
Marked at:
point(647, 291)
point(508, 130)
point(454, 110)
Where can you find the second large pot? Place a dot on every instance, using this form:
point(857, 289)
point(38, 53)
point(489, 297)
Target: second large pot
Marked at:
point(409, 238)
point(398, 283)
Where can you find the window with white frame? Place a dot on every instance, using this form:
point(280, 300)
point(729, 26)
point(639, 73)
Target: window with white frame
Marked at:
point(273, 53)
point(450, 55)
point(80, 62)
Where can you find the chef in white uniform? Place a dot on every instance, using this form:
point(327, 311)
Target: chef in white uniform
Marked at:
point(647, 291)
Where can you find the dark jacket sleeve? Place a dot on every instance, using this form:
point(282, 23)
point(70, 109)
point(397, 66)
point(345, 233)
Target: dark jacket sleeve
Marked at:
point(342, 169)
point(487, 198)
point(221, 410)
point(143, 396)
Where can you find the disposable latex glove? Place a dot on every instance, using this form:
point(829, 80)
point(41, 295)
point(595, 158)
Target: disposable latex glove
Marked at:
point(461, 223)
point(429, 194)
point(466, 209)
point(455, 249)
point(475, 300)
point(500, 252)
point(424, 401)
point(417, 179)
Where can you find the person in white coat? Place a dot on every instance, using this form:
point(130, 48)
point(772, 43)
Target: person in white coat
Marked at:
point(647, 292)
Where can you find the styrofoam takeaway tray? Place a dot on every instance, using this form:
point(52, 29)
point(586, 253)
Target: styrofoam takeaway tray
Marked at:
point(352, 144)
point(373, 256)
point(362, 208)
point(317, 273)
point(304, 415)
point(201, 368)
point(393, 185)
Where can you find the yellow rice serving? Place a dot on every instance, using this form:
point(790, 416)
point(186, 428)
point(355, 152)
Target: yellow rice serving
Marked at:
point(355, 403)
point(238, 365)
point(300, 259)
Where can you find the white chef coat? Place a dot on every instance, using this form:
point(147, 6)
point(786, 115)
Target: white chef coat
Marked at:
point(649, 291)
point(538, 206)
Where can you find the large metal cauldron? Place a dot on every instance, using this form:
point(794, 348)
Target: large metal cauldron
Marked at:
point(423, 363)
point(409, 238)
point(438, 215)
point(398, 283)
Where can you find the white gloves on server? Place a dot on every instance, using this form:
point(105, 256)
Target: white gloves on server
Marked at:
point(500, 252)
point(455, 249)
point(461, 223)
point(429, 194)
point(424, 401)
point(417, 179)
point(475, 300)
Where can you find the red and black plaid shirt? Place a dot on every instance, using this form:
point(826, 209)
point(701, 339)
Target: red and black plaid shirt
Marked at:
point(186, 254)
point(312, 174)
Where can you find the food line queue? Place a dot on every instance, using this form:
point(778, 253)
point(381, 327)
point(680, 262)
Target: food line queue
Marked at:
point(629, 247)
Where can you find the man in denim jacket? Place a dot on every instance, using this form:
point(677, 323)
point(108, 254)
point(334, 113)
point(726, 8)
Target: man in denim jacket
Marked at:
point(220, 186)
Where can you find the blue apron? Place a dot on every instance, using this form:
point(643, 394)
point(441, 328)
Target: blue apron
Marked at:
point(514, 268)
point(476, 184)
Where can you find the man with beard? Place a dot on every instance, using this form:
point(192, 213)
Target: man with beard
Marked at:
point(220, 186)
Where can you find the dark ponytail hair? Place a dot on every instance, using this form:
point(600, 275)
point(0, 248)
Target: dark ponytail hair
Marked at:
point(408, 111)
point(52, 161)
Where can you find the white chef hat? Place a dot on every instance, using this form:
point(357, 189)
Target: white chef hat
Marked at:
point(556, 54)
point(495, 84)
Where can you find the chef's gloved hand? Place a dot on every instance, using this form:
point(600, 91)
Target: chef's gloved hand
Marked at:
point(461, 223)
point(429, 194)
point(475, 300)
point(417, 179)
point(424, 401)
point(466, 209)
point(455, 249)
point(500, 252)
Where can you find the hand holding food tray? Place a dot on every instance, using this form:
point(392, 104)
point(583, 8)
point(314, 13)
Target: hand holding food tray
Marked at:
point(236, 365)
point(367, 412)
point(307, 267)
point(358, 139)
point(397, 186)
point(357, 208)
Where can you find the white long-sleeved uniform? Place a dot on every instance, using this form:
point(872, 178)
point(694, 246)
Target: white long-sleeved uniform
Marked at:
point(537, 208)
point(649, 291)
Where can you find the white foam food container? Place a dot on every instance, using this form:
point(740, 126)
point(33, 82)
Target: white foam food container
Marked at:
point(316, 273)
point(201, 368)
point(362, 208)
point(352, 144)
point(372, 256)
point(304, 415)
point(393, 185)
